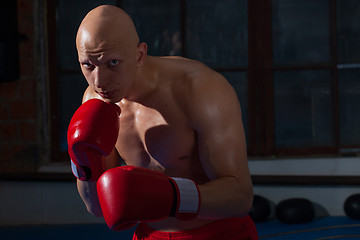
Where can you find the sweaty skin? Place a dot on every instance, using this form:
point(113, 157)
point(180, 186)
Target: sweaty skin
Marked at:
point(177, 116)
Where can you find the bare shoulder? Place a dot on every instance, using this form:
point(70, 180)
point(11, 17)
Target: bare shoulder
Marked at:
point(196, 85)
point(194, 77)
point(89, 94)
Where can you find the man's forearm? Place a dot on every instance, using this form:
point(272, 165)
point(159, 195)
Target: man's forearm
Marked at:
point(225, 197)
point(87, 189)
point(88, 194)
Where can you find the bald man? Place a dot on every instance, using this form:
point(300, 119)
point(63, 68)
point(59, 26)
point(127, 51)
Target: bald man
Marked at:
point(180, 123)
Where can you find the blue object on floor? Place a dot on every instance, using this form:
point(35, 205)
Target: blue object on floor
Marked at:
point(319, 229)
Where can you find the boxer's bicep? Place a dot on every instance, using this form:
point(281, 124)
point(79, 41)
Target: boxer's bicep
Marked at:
point(217, 120)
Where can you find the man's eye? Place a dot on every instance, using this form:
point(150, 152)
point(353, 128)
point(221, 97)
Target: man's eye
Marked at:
point(114, 62)
point(87, 65)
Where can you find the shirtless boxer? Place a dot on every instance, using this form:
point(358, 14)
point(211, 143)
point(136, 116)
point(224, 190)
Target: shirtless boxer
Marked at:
point(178, 118)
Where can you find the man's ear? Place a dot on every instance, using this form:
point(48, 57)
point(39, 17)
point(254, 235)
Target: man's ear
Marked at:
point(141, 53)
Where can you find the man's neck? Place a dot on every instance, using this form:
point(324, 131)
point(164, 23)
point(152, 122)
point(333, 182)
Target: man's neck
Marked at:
point(146, 82)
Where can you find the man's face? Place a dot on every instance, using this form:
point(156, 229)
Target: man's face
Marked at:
point(108, 66)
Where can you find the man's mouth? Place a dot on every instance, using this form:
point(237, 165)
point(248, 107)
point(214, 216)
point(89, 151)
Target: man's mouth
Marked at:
point(105, 94)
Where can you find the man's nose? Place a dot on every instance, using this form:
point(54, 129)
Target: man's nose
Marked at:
point(101, 79)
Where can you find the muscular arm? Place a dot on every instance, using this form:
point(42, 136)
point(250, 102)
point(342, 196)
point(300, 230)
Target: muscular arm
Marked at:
point(87, 189)
point(215, 115)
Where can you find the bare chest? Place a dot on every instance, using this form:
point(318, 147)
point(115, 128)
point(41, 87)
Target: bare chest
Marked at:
point(158, 139)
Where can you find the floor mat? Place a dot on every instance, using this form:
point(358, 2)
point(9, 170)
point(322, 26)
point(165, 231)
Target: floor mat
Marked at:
point(319, 229)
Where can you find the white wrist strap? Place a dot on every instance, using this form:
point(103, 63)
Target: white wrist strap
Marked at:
point(188, 196)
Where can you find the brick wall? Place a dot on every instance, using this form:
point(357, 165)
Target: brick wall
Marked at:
point(20, 142)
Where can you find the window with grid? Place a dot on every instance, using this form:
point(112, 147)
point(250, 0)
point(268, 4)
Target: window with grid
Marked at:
point(294, 64)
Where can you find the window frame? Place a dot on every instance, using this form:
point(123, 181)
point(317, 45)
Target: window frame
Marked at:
point(260, 70)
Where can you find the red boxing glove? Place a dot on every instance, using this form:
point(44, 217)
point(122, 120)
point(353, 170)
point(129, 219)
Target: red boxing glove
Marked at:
point(92, 133)
point(130, 194)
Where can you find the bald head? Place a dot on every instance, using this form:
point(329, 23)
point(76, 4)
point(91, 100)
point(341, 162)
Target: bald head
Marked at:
point(106, 25)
